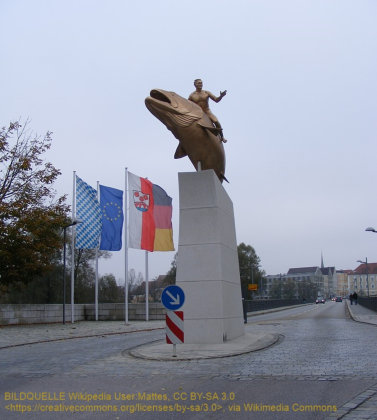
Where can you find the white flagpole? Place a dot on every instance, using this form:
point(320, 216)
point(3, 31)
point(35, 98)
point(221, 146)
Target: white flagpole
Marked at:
point(146, 287)
point(73, 230)
point(96, 280)
point(126, 247)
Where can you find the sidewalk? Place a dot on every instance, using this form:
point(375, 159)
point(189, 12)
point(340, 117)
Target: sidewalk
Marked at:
point(20, 335)
point(360, 313)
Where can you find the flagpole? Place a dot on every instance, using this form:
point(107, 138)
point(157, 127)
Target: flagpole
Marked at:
point(126, 248)
point(146, 287)
point(73, 231)
point(96, 279)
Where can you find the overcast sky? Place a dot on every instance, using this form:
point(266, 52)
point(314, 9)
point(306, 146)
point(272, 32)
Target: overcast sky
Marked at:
point(299, 116)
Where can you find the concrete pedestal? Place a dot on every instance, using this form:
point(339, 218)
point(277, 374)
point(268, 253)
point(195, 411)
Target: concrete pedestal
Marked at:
point(207, 263)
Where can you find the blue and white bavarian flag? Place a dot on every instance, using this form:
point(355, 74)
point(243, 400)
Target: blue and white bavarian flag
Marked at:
point(88, 211)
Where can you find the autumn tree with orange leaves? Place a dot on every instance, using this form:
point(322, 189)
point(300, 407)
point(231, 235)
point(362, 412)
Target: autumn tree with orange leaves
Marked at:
point(31, 216)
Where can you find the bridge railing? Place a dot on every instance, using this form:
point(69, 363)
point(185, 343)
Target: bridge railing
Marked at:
point(260, 305)
point(368, 302)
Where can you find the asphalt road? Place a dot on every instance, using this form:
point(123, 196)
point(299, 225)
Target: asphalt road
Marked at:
point(322, 360)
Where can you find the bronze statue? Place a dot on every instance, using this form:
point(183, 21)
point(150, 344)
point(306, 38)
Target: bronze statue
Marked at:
point(198, 138)
point(200, 97)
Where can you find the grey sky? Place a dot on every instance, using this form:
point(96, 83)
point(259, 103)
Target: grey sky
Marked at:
point(299, 116)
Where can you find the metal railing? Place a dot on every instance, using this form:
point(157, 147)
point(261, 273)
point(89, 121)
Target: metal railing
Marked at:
point(260, 305)
point(368, 302)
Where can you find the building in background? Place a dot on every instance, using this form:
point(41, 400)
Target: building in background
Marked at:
point(299, 283)
point(363, 280)
point(341, 283)
point(308, 274)
point(303, 283)
point(329, 281)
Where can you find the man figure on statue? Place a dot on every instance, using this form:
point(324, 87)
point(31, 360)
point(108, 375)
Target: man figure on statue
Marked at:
point(200, 97)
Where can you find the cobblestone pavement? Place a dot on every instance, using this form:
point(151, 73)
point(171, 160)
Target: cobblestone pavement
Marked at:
point(279, 362)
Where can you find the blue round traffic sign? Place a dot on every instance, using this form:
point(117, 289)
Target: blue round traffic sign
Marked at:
point(172, 297)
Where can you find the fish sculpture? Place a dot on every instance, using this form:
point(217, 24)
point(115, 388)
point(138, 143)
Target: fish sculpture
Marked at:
point(198, 138)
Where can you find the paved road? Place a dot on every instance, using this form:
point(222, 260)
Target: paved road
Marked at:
point(322, 362)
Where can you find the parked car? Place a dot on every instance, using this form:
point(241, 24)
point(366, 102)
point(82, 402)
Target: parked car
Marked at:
point(338, 299)
point(320, 299)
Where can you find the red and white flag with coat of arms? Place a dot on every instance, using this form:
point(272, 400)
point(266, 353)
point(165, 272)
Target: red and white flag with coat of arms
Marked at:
point(150, 213)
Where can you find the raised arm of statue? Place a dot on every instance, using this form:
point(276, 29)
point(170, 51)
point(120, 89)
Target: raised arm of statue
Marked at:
point(218, 98)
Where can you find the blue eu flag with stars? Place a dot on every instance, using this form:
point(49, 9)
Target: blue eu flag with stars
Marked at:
point(111, 202)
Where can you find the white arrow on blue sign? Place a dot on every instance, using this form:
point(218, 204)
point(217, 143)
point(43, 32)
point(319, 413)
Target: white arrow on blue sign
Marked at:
point(172, 297)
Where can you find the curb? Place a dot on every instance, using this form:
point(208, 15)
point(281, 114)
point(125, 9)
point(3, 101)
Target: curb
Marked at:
point(160, 351)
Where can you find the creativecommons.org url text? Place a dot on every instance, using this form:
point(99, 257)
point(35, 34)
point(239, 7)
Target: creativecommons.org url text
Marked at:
point(129, 408)
point(159, 408)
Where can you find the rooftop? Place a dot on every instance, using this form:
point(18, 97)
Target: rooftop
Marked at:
point(303, 270)
point(362, 269)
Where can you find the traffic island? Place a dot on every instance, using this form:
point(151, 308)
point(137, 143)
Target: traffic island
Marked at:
point(245, 344)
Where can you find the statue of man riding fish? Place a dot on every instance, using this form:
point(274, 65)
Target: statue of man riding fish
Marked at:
point(198, 131)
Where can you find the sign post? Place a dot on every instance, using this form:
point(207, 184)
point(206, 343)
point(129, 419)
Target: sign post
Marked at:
point(174, 329)
point(173, 298)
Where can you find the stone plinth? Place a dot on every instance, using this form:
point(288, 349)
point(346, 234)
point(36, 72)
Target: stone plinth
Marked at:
point(207, 264)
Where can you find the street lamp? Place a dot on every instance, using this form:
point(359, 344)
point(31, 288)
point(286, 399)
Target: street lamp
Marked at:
point(73, 223)
point(366, 267)
point(371, 229)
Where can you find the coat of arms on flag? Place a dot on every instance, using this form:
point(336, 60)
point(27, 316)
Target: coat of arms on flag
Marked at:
point(141, 200)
